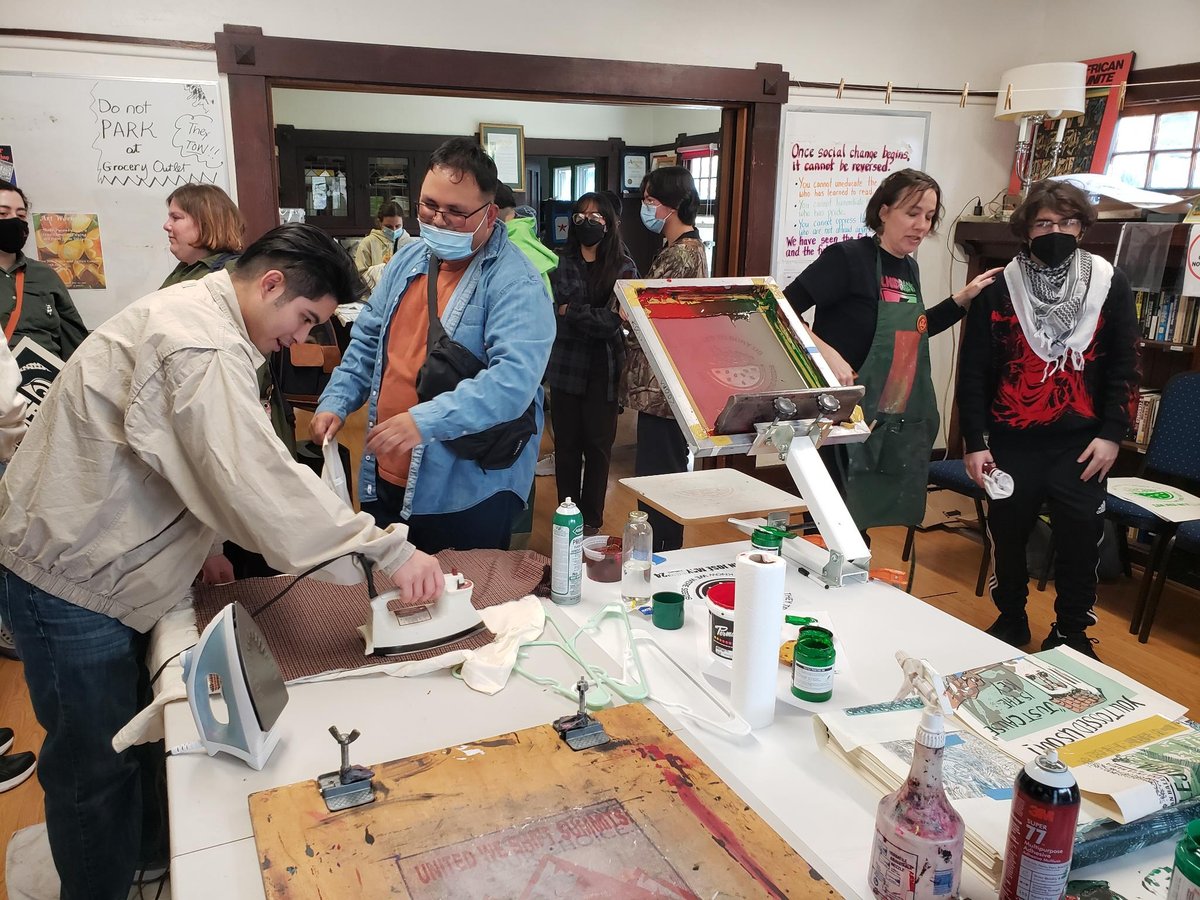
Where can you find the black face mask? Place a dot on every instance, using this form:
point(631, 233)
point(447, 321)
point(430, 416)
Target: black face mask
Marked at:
point(1053, 248)
point(589, 233)
point(14, 233)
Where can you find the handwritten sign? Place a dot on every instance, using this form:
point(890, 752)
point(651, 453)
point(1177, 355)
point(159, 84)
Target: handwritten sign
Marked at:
point(830, 164)
point(157, 134)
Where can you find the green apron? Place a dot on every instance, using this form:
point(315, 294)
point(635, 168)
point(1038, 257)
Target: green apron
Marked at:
point(887, 475)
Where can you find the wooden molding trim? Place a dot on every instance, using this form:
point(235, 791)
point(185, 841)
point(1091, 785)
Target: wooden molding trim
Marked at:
point(109, 38)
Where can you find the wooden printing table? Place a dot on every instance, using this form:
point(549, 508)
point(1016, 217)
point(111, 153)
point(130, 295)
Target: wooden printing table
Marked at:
point(815, 803)
point(711, 495)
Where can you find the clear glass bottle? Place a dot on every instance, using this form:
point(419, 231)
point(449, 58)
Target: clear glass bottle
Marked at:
point(637, 551)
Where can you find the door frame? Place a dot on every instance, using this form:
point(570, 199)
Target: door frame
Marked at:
point(751, 100)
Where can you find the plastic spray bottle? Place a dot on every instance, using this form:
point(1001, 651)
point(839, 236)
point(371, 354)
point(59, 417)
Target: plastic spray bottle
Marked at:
point(917, 852)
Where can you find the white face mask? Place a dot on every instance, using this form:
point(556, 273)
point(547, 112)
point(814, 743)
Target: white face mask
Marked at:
point(449, 245)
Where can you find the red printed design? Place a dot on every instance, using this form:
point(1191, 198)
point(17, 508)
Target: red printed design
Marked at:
point(1026, 397)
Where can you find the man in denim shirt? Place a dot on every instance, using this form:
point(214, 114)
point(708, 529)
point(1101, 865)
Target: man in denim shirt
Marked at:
point(492, 301)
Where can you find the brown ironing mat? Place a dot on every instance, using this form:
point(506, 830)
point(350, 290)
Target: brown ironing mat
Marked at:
point(314, 628)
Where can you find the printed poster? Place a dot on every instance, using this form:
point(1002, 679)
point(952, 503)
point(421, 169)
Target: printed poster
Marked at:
point(1191, 271)
point(1164, 501)
point(69, 243)
point(8, 170)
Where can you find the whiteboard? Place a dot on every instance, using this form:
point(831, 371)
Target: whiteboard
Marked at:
point(830, 163)
point(114, 148)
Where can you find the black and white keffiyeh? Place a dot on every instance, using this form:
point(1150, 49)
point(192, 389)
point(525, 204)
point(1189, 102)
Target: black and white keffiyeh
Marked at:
point(1058, 308)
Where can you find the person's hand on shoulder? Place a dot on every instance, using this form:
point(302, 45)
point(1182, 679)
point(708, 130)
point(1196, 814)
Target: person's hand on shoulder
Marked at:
point(419, 579)
point(968, 292)
point(324, 425)
point(975, 463)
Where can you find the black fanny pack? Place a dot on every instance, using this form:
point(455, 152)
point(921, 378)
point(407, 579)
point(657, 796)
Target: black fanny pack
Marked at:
point(447, 363)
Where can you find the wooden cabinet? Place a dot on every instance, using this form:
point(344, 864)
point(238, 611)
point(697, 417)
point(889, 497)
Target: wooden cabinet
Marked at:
point(989, 244)
point(340, 178)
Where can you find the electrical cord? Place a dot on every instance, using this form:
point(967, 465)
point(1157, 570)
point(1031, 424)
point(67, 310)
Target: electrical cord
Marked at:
point(167, 662)
point(363, 561)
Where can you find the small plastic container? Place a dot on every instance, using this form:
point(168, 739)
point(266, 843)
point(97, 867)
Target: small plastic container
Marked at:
point(602, 558)
point(720, 620)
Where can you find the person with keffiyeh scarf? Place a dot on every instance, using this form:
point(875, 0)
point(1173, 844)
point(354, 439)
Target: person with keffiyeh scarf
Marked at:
point(1047, 388)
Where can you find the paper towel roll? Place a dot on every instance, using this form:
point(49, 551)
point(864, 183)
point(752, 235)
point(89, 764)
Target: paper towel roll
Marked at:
point(758, 604)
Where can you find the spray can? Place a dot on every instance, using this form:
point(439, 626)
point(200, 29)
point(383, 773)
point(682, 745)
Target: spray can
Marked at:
point(1041, 831)
point(566, 560)
point(1185, 880)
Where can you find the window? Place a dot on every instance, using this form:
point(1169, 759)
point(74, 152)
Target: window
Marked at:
point(1157, 152)
point(702, 162)
point(585, 180)
point(562, 183)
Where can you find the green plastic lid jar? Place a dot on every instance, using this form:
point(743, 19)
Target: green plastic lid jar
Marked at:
point(1185, 880)
point(812, 664)
point(767, 538)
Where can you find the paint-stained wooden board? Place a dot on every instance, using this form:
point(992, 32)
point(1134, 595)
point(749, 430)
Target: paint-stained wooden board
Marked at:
point(522, 815)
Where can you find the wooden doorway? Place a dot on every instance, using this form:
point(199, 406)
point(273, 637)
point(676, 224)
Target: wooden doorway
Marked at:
point(751, 100)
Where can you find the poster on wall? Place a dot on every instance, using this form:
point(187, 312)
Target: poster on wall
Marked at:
point(8, 171)
point(1087, 138)
point(830, 163)
point(153, 134)
point(69, 243)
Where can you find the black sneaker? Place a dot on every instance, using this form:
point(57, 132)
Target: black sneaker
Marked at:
point(1076, 640)
point(1012, 628)
point(6, 739)
point(15, 768)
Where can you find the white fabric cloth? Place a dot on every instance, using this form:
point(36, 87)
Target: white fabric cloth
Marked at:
point(486, 669)
point(1070, 351)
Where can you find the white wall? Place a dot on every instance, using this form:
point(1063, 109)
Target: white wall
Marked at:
point(409, 114)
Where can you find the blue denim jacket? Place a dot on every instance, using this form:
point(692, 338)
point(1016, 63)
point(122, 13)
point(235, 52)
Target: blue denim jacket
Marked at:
point(498, 312)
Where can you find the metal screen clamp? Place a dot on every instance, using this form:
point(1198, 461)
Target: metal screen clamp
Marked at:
point(349, 786)
point(580, 730)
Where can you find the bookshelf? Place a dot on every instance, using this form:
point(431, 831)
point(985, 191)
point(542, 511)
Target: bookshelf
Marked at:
point(989, 244)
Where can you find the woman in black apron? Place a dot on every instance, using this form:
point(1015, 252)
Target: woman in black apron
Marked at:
point(873, 329)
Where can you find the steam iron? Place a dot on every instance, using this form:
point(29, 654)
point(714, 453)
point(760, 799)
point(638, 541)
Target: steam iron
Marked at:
point(449, 618)
point(232, 659)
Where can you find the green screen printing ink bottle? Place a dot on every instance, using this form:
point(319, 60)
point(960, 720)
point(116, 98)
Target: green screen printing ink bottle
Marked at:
point(1185, 880)
point(812, 664)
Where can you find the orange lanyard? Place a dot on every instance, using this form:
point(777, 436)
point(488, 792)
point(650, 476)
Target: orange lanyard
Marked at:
point(16, 313)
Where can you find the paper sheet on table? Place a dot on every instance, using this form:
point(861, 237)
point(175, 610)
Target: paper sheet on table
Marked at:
point(1164, 501)
point(1108, 186)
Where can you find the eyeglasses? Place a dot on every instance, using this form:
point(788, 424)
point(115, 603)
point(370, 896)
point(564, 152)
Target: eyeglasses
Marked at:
point(595, 218)
point(1041, 226)
point(426, 212)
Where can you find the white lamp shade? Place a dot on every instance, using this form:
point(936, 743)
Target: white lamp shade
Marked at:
point(1053, 90)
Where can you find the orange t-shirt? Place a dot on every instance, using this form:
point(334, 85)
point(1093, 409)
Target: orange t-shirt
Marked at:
point(406, 352)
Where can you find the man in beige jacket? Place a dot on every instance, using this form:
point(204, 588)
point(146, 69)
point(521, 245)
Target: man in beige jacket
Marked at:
point(151, 447)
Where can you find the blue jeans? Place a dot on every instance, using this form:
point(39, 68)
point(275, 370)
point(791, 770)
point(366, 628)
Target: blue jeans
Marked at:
point(86, 678)
point(487, 525)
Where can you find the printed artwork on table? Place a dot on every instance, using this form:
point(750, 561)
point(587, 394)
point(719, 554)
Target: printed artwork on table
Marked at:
point(725, 340)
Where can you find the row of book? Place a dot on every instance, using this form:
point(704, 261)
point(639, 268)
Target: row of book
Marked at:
point(1168, 317)
point(1147, 412)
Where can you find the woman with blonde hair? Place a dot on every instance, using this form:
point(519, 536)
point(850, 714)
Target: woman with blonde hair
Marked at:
point(205, 230)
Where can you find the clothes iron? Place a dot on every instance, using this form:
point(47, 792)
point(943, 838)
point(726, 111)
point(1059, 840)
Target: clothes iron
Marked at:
point(449, 618)
point(232, 659)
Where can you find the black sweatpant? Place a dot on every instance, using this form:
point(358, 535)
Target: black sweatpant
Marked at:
point(1076, 523)
point(661, 450)
point(585, 426)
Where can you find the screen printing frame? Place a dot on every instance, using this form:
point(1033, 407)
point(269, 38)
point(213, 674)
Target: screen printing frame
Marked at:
point(701, 441)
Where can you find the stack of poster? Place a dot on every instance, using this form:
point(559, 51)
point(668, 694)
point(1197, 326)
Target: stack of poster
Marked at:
point(1137, 763)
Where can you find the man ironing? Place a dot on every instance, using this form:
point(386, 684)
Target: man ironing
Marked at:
point(150, 448)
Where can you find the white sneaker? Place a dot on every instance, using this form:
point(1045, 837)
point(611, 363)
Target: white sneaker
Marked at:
point(545, 465)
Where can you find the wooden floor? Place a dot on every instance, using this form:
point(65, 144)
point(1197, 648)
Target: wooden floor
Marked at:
point(947, 565)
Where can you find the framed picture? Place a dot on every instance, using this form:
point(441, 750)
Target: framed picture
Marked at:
point(663, 158)
point(505, 144)
point(634, 167)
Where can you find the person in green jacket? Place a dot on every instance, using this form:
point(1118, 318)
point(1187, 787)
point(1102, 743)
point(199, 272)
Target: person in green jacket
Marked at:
point(205, 230)
point(522, 231)
point(47, 315)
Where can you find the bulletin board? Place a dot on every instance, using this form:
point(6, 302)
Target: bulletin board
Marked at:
point(108, 152)
point(830, 163)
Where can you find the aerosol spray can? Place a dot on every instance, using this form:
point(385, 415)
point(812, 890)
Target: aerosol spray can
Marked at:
point(1041, 832)
point(566, 560)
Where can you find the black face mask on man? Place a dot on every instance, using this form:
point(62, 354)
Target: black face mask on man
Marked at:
point(1053, 249)
point(589, 233)
point(14, 233)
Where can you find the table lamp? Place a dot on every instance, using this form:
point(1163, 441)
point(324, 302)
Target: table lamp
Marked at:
point(1033, 94)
